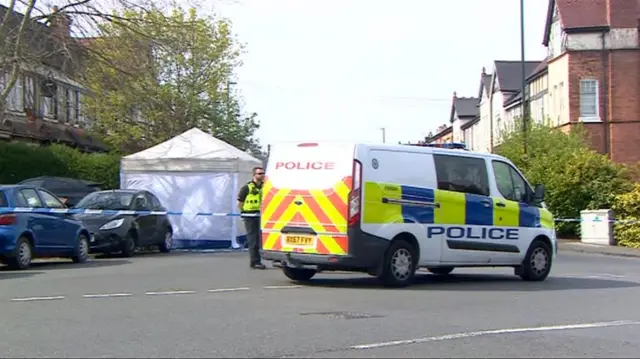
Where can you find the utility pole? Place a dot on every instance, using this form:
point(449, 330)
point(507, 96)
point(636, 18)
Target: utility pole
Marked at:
point(524, 78)
point(384, 134)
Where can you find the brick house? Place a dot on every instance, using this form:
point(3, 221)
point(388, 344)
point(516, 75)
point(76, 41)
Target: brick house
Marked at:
point(591, 76)
point(594, 50)
point(45, 104)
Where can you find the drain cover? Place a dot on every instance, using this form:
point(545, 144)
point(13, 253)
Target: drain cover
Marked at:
point(343, 315)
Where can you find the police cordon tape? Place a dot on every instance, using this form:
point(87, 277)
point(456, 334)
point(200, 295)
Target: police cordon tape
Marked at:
point(4, 210)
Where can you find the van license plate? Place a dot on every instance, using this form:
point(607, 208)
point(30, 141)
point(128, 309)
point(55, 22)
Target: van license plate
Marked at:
point(299, 240)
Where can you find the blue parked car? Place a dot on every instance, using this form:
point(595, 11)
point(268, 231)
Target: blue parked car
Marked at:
point(28, 235)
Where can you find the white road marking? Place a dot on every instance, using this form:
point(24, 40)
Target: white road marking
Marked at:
point(282, 287)
point(33, 299)
point(109, 295)
point(171, 292)
point(221, 290)
point(616, 323)
point(594, 276)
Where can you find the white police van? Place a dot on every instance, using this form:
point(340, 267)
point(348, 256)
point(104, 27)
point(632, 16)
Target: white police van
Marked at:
point(389, 209)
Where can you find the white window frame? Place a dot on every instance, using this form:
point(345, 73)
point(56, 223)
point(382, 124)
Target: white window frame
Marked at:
point(590, 117)
point(555, 46)
point(15, 98)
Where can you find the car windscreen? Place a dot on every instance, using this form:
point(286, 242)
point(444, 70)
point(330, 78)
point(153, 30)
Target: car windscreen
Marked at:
point(106, 200)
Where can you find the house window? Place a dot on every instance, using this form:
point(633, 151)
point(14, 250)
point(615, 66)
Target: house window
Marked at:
point(78, 106)
point(68, 105)
point(589, 107)
point(555, 39)
point(29, 92)
point(15, 99)
point(49, 99)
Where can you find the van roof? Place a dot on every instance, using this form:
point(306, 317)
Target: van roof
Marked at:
point(399, 147)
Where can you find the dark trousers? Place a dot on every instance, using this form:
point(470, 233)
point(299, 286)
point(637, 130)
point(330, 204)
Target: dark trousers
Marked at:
point(254, 240)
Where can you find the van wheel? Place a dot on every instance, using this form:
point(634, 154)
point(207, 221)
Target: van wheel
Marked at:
point(400, 263)
point(440, 270)
point(299, 274)
point(536, 265)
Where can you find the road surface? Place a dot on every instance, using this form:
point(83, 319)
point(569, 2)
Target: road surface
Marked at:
point(212, 305)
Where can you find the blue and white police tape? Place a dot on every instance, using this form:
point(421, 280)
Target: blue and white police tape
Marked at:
point(4, 210)
point(598, 220)
point(213, 214)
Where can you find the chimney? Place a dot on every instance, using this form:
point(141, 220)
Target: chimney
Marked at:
point(484, 70)
point(455, 94)
point(60, 24)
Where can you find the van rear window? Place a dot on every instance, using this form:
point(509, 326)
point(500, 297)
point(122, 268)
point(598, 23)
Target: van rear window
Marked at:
point(309, 167)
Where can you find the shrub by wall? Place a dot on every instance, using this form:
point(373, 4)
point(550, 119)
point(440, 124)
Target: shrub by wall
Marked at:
point(576, 177)
point(19, 161)
point(627, 208)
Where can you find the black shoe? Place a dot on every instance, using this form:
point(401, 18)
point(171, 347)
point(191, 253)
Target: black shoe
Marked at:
point(258, 266)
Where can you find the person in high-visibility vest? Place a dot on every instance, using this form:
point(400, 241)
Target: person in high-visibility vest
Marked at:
point(249, 200)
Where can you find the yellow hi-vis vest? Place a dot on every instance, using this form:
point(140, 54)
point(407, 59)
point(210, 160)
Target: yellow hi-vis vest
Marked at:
point(254, 197)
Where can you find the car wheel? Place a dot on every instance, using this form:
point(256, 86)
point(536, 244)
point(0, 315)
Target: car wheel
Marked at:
point(23, 255)
point(82, 250)
point(536, 265)
point(167, 244)
point(129, 245)
point(399, 265)
point(299, 274)
point(440, 270)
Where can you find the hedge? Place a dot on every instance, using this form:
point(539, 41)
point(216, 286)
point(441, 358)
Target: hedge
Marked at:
point(627, 211)
point(575, 176)
point(19, 161)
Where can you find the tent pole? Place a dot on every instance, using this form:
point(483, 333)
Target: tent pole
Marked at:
point(234, 220)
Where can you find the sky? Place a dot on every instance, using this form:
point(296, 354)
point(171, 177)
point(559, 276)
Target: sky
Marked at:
point(340, 70)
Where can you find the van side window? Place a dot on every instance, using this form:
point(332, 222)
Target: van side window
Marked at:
point(510, 184)
point(462, 174)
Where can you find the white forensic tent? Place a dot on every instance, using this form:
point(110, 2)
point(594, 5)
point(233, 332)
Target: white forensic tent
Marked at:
point(194, 173)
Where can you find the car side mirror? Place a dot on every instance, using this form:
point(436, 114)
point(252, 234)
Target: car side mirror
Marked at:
point(538, 193)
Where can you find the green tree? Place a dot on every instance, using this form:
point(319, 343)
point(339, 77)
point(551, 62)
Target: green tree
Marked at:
point(180, 75)
point(576, 177)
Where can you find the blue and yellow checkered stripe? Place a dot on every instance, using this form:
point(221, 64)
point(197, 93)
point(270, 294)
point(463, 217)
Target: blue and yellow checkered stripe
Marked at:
point(387, 203)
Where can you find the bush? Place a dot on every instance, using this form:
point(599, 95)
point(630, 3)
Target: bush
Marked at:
point(627, 208)
point(576, 177)
point(19, 161)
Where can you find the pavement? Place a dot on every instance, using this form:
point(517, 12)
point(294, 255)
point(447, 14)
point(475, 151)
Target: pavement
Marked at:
point(577, 246)
point(183, 305)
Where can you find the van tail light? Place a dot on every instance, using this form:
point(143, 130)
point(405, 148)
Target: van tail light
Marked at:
point(7, 219)
point(355, 196)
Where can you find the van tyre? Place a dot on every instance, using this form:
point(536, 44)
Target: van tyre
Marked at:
point(299, 274)
point(81, 254)
point(536, 265)
point(440, 270)
point(400, 263)
point(23, 254)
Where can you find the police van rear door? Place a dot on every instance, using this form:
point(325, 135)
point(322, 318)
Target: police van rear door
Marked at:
point(304, 206)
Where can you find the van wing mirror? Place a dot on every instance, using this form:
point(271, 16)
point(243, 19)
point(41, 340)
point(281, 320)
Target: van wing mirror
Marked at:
point(538, 193)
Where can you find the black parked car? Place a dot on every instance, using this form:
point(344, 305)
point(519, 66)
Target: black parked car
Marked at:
point(122, 232)
point(69, 190)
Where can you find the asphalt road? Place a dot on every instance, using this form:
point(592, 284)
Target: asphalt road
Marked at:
point(213, 305)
